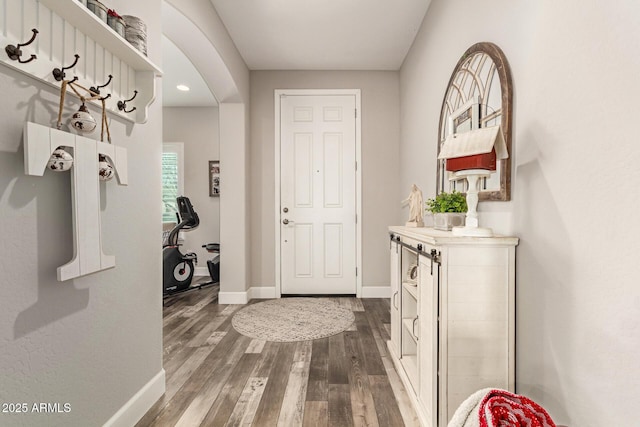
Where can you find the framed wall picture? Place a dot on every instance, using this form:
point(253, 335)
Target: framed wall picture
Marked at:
point(214, 178)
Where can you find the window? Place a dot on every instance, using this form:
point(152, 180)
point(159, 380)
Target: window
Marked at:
point(172, 179)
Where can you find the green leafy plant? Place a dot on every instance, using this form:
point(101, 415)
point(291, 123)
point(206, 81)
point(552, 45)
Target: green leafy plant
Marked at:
point(447, 202)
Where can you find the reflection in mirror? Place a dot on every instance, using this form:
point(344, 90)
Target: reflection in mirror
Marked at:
point(464, 119)
point(479, 95)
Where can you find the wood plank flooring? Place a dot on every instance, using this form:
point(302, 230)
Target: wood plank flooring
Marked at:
point(218, 377)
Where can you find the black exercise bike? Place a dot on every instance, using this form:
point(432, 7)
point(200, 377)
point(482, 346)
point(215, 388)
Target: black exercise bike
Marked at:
point(178, 268)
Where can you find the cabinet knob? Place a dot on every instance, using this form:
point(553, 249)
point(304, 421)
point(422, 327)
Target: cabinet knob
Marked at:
point(419, 246)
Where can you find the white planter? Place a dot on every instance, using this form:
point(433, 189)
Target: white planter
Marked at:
point(446, 221)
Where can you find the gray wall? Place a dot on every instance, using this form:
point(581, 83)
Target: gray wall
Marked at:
point(198, 129)
point(92, 342)
point(380, 167)
point(575, 173)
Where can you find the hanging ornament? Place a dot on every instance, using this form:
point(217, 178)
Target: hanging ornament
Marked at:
point(82, 121)
point(105, 170)
point(60, 160)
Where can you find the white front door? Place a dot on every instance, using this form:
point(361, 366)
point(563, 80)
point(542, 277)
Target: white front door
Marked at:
point(318, 194)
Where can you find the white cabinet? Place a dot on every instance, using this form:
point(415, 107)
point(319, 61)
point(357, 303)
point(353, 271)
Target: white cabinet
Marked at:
point(455, 327)
point(409, 331)
point(429, 271)
point(394, 257)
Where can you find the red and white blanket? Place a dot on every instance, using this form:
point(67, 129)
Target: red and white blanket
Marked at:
point(500, 408)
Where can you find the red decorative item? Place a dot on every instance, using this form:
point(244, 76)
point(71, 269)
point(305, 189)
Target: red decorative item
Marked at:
point(116, 22)
point(113, 13)
point(502, 408)
point(477, 161)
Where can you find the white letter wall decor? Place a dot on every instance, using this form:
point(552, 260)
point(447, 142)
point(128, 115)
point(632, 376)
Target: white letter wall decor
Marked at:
point(39, 142)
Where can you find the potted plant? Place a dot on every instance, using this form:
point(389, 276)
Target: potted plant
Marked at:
point(448, 209)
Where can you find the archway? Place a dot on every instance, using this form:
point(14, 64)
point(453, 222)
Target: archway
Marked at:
point(187, 24)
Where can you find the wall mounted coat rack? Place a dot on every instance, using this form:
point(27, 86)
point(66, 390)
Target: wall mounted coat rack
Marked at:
point(96, 89)
point(15, 52)
point(122, 105)
point(59, 74)
point(67, 27)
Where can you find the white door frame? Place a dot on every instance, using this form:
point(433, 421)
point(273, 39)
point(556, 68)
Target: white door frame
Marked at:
point(325, 92)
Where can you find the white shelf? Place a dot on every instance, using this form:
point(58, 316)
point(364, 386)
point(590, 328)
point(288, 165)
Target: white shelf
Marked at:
point(64, 25)
point(87, 22)
point(412, 289)
point(408, 325)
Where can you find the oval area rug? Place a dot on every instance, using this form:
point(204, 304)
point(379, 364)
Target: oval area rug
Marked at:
point(292, 319)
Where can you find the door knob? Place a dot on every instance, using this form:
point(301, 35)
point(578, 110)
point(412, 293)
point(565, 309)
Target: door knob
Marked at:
point(285, 221)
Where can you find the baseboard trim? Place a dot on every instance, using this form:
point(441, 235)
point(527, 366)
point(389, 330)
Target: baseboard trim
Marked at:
point(262, 292)
point(201, 271)
point(268, 292)
point(233, 298)
point(132, 411)
point(376, 292)
point(244, 297)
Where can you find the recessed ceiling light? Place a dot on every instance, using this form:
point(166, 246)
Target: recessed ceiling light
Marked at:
point(183, 88)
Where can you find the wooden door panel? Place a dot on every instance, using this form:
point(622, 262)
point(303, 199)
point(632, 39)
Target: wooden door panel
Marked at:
point(333, 256)
point(333, 171)
point(303, 253)
point(303, 170)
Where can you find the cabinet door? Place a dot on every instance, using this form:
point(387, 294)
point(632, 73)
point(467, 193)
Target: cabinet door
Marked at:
point(396, 324)
point(428, 343)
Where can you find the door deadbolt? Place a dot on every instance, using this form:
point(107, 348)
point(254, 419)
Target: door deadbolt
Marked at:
point(285, 210)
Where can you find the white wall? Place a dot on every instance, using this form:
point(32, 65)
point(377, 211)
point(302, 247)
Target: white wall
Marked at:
point(576, 154)
point(234, 204)
point(198, 129)
point(92, 342)
point(380, 167)
point(234, 86)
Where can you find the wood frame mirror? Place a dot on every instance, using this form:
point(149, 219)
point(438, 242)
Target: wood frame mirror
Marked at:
point(474, 99)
